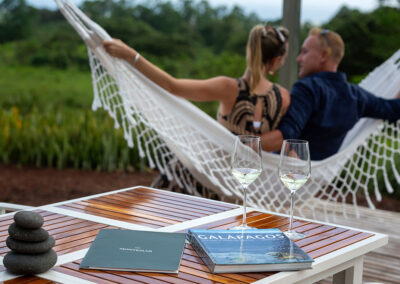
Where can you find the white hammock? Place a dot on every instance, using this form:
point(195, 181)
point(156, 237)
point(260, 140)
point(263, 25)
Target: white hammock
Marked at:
point(167, 128)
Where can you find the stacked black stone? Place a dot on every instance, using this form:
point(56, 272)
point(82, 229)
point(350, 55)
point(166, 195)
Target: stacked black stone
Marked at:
point(31, 246)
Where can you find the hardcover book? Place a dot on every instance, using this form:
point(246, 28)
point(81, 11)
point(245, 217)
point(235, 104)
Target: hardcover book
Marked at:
point(227, 251)
point(129, 250)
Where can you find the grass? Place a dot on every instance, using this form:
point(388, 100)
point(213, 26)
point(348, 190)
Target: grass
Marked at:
point(44, 88)
point(46, 120)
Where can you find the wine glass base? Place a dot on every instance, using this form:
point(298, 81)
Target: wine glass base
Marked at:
point(294, 235)
point(243, 227)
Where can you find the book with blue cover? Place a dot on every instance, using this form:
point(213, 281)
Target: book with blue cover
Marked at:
point(228, 251)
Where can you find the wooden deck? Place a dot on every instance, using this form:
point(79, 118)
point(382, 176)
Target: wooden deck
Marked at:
point(383, 264)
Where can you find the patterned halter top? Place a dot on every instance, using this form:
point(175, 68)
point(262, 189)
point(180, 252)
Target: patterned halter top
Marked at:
point(241, 119)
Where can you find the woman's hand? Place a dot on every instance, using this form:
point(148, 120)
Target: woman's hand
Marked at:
point(118, 48)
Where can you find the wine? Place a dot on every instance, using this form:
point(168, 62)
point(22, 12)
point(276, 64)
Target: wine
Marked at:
point(245, 175)
point(294, 181)
point(294, 171)
point(246, 166)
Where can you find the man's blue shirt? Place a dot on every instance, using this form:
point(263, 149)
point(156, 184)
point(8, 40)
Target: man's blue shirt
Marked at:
point(324, 107)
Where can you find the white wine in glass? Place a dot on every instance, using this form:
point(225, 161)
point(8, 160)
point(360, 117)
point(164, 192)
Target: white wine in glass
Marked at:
point(245, 175)
point(294, 171)
point(246, 166)
point(294, 181)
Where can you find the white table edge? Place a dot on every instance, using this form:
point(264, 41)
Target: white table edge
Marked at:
point(325, 265)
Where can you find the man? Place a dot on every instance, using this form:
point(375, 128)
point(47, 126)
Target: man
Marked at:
point(324, 106)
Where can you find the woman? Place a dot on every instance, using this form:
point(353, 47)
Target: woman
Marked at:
point(248, 105)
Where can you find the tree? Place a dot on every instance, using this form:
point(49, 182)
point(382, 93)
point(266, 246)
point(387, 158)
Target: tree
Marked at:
point(16, 19)
point(381, 3)
point(370, 38)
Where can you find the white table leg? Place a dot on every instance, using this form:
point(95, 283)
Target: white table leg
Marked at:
point(352, 275)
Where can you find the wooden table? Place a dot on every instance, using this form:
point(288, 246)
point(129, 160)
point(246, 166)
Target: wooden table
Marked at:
point(337, 250)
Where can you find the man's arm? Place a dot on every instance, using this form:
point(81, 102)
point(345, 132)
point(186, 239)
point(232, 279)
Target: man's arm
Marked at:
point(293, 121)
point(377, 107)
point(272, 140)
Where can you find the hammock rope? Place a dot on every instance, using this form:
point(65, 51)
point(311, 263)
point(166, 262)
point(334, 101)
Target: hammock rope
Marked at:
point(170, 131)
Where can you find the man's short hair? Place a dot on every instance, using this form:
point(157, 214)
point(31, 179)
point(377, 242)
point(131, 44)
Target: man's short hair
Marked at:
point(331, 41)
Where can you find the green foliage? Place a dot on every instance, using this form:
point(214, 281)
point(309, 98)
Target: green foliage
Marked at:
point(44, 88)
point(64, 138)
point(162, 30)
point(46, 120)
point(370, 38)
point(16, 19)
point(180, 31)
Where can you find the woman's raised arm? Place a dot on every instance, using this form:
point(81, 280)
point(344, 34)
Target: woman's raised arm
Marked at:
point(214, 89)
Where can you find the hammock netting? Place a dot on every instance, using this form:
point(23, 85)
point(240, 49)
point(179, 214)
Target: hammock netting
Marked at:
point(188, 146)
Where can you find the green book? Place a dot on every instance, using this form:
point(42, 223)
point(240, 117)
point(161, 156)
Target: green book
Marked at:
point(128, 250)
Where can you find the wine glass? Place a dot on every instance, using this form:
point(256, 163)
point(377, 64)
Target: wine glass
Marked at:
point(294, 171)
point(246, 166)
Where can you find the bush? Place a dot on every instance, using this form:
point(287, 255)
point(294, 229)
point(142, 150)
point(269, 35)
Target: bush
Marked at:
point(64, 138)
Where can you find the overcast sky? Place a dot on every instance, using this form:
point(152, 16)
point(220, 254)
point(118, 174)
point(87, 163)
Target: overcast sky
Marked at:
point(316, 11)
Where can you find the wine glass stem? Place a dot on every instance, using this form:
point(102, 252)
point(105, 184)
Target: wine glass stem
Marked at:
point(244, 205)
point(292, 192)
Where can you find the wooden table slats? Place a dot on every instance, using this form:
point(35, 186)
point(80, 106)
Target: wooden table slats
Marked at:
point(130, 212)
point(187, 199)
point(156, 209)
point(28, 280)
point(115, 216)
point(182, 203)
point(158, 214)
point(339, 244)
point(173, 206)
point(149, 208)
point(71, 234)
